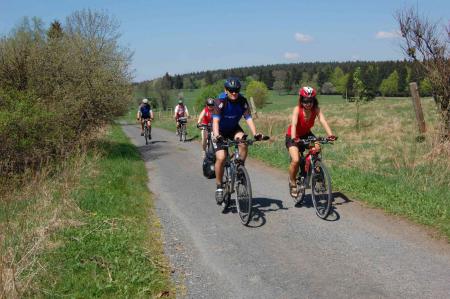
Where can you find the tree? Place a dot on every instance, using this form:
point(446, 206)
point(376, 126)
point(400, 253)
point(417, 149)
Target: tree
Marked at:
point(259, 91)
point(209, 91)
point(358, 89)
point(428, 47)
point(389, 86)
point(339, 80)
point(55, 31)
point(188, 83)
point(425, 87)
point(280, 77)
point(328, 88)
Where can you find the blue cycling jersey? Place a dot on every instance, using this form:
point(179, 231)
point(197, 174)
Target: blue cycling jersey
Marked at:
point(229, 113)
point(145, 110)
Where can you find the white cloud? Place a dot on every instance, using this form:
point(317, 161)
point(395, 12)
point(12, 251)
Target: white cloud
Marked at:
point(291, 56)
point(302, 38)
point(387, 34)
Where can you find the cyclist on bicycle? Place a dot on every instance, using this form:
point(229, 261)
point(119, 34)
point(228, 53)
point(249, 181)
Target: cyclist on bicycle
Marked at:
point(227, 113)
point(145, 113)
point(180, 111)
point(205, 118)
point(303, 117)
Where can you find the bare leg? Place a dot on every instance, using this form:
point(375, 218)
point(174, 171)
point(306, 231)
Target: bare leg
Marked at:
point(295, 160)
point(220, 162)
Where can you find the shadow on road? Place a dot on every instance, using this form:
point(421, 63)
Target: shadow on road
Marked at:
point(153, 150)
point(338, 199)
point(261, 206)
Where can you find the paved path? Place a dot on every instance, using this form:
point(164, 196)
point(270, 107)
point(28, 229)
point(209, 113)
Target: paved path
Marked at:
point(287, 252)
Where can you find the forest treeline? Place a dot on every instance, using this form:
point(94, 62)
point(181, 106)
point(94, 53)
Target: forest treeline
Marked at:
point(379, 78)
point(57, 85)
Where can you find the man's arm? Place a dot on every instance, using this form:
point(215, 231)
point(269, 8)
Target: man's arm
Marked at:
point(251, 125)
point(216, 121)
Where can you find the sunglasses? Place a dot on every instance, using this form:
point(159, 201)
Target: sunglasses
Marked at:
point(304, 101)
point(233, 90)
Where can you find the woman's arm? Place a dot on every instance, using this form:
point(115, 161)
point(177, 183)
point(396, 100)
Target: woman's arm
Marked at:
point(200, 117)
point(294, 122)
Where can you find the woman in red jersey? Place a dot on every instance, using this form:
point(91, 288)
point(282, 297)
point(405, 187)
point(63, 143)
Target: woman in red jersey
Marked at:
point(303, 117)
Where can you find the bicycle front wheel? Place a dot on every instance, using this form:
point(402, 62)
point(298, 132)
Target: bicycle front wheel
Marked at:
point(243, 195)
point(321, 193)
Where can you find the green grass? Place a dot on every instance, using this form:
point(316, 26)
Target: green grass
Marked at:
point(115, 250)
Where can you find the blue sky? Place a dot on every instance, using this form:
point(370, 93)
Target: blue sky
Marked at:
point(185, 36)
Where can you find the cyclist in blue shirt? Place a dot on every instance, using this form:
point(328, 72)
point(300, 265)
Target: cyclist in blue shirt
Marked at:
point(145, 113)
point(227, 113)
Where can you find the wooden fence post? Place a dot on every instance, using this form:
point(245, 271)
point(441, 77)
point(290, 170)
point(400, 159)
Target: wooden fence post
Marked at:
point(253, 107)
point(417, 106)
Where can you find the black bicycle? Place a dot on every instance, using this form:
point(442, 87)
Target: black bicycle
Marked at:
point(182, 128)
point(236, 178)
point(317, 177)
point(209, 143)
point(147, 131)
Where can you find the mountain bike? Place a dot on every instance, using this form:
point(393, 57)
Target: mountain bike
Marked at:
point(182, 129)
point(317, 177)
point(209, 143)
point(147, 131)
point(236, 179)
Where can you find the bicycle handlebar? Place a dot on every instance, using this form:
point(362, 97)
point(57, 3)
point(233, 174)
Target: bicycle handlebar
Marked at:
point(244, 140)
point(310, 139)
point(203, 126)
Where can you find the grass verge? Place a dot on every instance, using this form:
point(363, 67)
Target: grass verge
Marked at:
point(107, 242)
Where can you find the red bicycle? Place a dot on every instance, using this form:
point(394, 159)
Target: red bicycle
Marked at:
point(317, 177)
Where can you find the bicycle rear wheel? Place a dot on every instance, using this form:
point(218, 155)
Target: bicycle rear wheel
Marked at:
point(146, 134)
point(226, 188)
point(184, 132)
point(321, 193)
point(243, 195)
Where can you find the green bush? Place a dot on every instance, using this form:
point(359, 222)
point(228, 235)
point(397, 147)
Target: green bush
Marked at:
point(59, 85)
point(209, 91)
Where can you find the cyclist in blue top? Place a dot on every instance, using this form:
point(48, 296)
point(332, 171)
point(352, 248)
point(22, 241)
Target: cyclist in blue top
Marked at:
point(145, 113)
point(227, 113)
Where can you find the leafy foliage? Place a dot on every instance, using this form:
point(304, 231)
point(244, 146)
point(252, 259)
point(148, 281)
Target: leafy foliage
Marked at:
point(259, 92)
point(58, 85)
point(209, 91)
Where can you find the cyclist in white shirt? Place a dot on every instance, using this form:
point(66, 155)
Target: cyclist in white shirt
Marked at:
point(180, 110)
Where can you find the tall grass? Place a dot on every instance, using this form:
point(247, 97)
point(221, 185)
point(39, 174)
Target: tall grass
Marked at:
point(88, 230)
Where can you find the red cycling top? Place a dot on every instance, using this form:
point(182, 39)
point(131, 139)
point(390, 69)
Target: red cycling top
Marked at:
point(303, 126)
point(207, 117)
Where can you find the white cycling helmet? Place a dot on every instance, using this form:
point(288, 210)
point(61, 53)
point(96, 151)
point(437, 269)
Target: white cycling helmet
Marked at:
point(145, 101)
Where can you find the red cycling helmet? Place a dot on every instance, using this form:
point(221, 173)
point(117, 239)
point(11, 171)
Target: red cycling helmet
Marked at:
point(307, 92)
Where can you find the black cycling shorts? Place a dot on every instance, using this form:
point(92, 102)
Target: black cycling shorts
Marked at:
point(227, 135)
point(301, 147)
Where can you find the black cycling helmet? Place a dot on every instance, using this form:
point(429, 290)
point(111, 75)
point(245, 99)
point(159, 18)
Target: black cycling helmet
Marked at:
point(232, 84)
point(210, 102)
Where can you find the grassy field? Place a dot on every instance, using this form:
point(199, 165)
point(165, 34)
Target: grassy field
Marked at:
point(89, 232)
point(380, 163)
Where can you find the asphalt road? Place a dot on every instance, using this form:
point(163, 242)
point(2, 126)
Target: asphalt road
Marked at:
point(287, 252)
